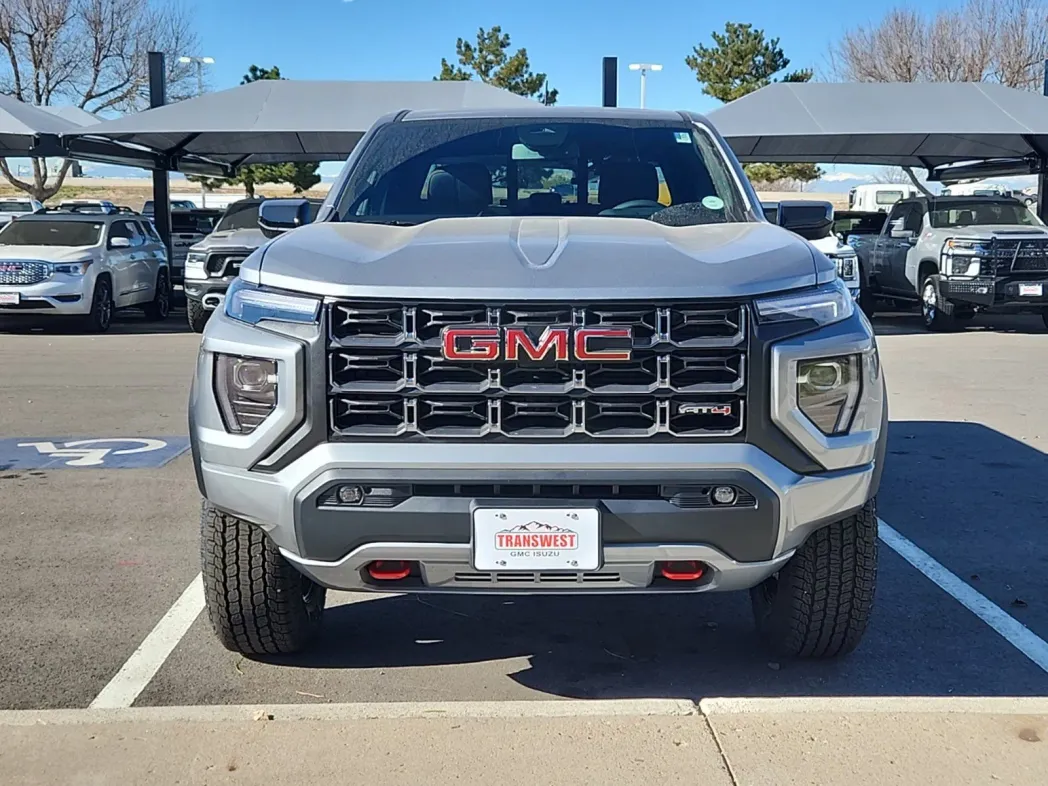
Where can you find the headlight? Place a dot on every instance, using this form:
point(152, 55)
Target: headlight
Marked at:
point(828, 391)
point(823, 305)
point(71, 268)
point(963, 257)
point(251, 303)
point(195, 261)
point(847, 267)
point(246, 389)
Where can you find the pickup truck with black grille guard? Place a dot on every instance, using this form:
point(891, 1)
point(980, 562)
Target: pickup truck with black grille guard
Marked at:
point(958, 256)
point(458, 379)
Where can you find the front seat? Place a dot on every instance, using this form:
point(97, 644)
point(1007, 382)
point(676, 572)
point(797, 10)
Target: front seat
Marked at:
point(624, 181)
point(965, 218)
point(460, 189)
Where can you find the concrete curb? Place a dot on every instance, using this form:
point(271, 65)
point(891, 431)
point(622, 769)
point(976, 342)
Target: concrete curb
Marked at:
point(984, 705)
point(841, 705)
point(352, 712)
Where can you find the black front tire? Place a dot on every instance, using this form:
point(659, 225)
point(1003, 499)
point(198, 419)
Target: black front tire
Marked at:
point(819, 604)
point(258, 603)
point(100, 318)
point(158, 309)
point(197, 315)
point(936, 314)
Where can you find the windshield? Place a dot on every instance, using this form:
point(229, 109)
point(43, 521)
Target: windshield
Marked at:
point(50, 233)
point(188, 222)
point(983, 212)
point(888, 197)
point(418, 171)
point(16, 207)
point(239, 216)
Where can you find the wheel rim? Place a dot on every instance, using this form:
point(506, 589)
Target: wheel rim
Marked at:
point(105, 306)
point(928, 302)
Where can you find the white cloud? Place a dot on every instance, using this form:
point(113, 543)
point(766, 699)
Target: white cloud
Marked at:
point(836, 177)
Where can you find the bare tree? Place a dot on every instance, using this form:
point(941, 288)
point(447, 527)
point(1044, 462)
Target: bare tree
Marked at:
point(91, 54)
point(1004, 41)
point(892, 175)
point(900, 175)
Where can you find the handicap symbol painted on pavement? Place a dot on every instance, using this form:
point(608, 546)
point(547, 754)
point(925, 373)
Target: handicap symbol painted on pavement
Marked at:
point(97, 453)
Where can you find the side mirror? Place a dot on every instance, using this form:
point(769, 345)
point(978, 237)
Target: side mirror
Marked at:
point(811, 220)
point(119, 242)
point(276, 216)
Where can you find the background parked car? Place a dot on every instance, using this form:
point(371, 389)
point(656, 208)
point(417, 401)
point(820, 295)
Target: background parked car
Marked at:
point(13, 208)
point(68, 264)
point(212, 264)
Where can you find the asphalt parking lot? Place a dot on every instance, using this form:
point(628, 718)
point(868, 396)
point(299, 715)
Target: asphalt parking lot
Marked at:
point(96, 556)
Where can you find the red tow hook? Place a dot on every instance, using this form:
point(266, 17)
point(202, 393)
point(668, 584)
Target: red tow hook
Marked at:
point(389, 570)
point(685, 570)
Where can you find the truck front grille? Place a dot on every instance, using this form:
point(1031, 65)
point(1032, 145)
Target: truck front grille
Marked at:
point(1020, 256)
point(224, 263)
point(23, 273)
point(388, 376)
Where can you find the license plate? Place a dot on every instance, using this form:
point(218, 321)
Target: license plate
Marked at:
point(1031, 290)
point(9, 298)
point(536, 539)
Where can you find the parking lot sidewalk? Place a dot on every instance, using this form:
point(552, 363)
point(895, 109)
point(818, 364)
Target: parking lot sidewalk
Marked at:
point(779, 741)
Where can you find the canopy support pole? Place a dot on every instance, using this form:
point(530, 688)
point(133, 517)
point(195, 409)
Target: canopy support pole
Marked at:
point(161, 179)
point(1042, 164)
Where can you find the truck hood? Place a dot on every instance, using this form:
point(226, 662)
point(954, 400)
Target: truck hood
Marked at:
point(831, 245)
point(233, 238)
point(48, 253)
point(537, 258)
point(1003, 232)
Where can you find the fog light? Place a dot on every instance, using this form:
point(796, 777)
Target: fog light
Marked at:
point(724, 495)
point(246, 389)
point(828, 391)
point(350, 495)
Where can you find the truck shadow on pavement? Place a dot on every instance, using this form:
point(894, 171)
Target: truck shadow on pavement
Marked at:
point(966, 494)
point(125, 323)
point(906, 324)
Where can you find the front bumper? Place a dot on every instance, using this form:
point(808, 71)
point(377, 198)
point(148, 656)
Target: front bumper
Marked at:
point(210, 292)
point(998, 295)
point(60, 295)
point(281, 477)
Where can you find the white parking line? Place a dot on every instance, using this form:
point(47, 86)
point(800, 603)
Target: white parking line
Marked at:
point(145, 662)
point(1013, 631)
point(139, 670)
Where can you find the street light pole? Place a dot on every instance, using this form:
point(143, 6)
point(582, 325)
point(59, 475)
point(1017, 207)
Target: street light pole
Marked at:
point(644, 68)
point(200, 63)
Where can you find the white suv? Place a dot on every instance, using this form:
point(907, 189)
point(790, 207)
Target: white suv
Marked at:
point(83, 266)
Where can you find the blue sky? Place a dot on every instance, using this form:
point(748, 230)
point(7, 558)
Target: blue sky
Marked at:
point(405, 39)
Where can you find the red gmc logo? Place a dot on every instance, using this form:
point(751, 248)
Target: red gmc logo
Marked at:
point(489, 344)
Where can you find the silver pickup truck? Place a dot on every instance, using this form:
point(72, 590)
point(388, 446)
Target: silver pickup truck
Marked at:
point(958, 256)
point(457, 379)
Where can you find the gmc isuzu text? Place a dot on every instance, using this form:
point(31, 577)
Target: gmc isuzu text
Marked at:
point(539, 351)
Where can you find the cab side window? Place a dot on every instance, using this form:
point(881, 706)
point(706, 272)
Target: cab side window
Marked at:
point(914, 218)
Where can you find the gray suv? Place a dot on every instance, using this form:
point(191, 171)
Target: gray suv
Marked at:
point(457, 379)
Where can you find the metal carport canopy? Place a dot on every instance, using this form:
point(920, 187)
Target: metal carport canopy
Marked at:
point(902, 124)
point(281, 120)
point(28, 131)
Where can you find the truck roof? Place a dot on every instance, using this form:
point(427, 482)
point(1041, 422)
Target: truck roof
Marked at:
point(960, 198)
point(539, 111)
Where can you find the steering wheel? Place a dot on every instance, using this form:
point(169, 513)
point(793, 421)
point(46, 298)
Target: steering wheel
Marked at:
point(639, 208)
